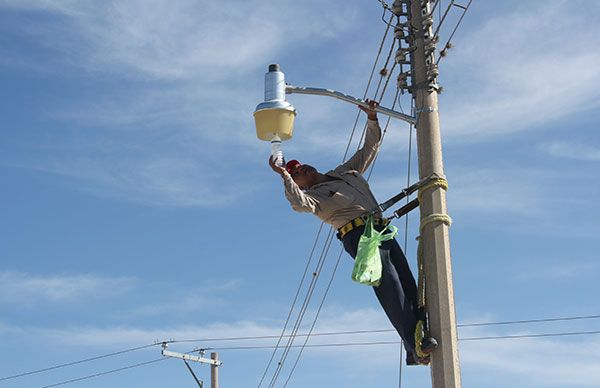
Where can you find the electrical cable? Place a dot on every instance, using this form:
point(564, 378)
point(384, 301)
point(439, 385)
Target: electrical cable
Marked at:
point(367, 89)
point(541, 320)
point(396, 342)
point(293, 304)
point(104, 373)
point(335, 333)
point(78, 362)
point(309, 292)
point(316, 317)
point(303, 309)
point(465, 9)
point(344, 344)
point(383, 75)
point(443, 18)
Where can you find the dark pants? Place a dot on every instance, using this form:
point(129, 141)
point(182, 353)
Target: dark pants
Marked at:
point(397, 291)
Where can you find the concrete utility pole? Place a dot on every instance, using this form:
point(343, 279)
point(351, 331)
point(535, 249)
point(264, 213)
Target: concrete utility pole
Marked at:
point(445, 370)
point(214, 372)
point(213, 361)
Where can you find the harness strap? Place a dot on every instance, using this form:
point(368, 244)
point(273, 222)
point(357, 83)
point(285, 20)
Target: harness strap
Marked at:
point(434, 180)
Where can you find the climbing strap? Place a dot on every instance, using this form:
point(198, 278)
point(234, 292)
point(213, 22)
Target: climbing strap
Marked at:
point(422, 329)
point(434, 180)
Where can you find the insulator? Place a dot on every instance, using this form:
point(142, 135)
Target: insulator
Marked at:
point(383, 72)
point(401, 57)
point(399, 33)
point(433, 40)
point(443, 53)
point(402, 51)
point(402, 25)
point(449, 45)
point(433, 71)
point(428, 60)
point(398, 8)
point(428, 22)
point(402, 80)
point(402, 85)
point(440, 89)
point(432, 85)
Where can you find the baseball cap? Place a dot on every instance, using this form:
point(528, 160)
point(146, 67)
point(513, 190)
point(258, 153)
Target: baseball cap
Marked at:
point(291, 165)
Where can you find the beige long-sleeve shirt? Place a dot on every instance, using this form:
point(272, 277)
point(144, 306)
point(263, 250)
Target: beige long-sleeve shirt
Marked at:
point(348, 195)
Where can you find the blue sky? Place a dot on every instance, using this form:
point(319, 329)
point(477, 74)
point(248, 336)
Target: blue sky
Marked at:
point(138, 205)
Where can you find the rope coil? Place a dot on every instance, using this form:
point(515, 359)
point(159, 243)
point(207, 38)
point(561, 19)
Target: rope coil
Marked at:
point(421, 329)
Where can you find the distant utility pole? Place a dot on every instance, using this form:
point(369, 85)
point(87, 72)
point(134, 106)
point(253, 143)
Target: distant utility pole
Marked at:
point(214, 372)
point(445, 370)
point(213, 361)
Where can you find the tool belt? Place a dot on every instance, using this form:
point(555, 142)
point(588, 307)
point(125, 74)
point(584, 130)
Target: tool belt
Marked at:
point(359, 221)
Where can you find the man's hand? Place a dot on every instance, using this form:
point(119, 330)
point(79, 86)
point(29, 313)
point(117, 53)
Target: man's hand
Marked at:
point(370, 111)
point(276, 168)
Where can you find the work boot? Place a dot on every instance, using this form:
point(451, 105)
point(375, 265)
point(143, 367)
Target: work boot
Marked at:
point(428, 345)
point(413, 359)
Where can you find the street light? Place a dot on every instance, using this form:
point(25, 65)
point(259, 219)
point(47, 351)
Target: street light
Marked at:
point(274, 118)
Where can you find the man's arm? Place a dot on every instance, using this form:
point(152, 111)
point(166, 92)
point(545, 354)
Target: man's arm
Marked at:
point(297, 198)
point(363, 158)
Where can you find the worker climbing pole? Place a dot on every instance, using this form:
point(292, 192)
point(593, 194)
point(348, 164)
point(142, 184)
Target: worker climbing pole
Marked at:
point(423, 315)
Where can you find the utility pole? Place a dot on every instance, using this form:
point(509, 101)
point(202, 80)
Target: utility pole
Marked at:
point(214, 372)
point(213, 361)
point(445, 370)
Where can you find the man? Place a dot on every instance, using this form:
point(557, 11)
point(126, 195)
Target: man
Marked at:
point(342, 198)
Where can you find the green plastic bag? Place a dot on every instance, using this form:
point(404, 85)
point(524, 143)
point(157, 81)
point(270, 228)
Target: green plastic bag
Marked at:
point(367, 264)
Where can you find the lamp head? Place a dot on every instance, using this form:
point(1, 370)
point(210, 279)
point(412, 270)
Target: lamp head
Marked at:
point(275, 116)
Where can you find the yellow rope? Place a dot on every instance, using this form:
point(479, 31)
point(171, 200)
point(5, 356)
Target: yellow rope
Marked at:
point(420, 330)
point(432, 183)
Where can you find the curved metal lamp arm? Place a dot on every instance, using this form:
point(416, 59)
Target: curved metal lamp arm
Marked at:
point(289, 89)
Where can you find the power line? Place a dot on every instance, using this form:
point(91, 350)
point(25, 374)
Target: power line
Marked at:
point(531, 321)
point(316, 316)
point(328, 240)
point(556, 319)
point(342, 344)
point(103, 373)
point(530, 335)
point(447, 45)
point(77, 362)
point(375, 343)
point(322, 334)
point(511, 336)
point(293, 304)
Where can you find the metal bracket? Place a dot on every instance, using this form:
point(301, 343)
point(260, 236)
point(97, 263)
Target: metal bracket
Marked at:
point(289, 89)
point(183, 356)
point(427, 109)
point(198, 381)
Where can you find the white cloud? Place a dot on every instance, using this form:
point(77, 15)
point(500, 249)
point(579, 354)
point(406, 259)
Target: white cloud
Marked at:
point(572, 150)
point(510, 190)
point(24, 288)
point(485, 191)
point(183, 66)
point(555, 269)
point(525, 69)
point(160, 181)
point(550, 361)
point(187, 39)
point(535, 361)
